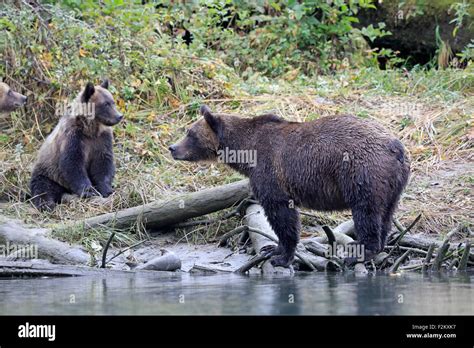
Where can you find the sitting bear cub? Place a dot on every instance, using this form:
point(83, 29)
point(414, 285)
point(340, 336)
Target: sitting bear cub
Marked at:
point(333, 163)
point(77, 157)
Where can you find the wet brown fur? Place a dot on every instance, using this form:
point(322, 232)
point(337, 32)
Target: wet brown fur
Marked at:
point(333, 163)
point(77, 157)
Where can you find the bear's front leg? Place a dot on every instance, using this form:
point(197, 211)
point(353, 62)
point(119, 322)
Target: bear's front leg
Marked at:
point(102, 172)
point(285, 221)
point(73, 167)
point(102, 167)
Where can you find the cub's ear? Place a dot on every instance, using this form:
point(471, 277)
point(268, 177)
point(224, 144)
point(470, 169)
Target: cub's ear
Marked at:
point(212, 120)
point(88, 92)
point(204, 109)
point(105, 84)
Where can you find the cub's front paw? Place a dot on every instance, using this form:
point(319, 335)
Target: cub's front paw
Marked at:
point(106, 191)
point(46, 206)
point(88, 192)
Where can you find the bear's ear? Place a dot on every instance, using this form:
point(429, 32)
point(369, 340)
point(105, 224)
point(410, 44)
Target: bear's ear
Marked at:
point(88, 92)
point(212, 120)
point(105, 84)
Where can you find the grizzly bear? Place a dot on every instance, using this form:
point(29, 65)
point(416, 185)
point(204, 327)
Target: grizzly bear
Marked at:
point(332, 163)
point(77, 157)
point(9, 99)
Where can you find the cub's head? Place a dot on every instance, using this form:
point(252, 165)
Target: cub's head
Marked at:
point(104, 108)
point(10, 100)
point(201, 141)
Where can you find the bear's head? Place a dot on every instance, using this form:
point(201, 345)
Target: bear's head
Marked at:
point(201, 142)
point(104, 108)
point(10, 100)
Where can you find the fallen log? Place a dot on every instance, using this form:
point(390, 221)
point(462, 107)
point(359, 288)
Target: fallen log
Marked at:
point(316, 248)
point(166, 212)
point(320, 263)
point(13, 233)
point(347, 228)
point(422, 242)
point(340, 239)
point(41, 268)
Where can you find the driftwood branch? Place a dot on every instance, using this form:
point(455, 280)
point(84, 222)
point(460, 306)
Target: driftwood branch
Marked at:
point(397, 240)
point(428, 257)
point(331, 239)
point(223, 240)
point(256, 260)
point(465, 257)
point(443, 249)
point(167, 212)
point(399, 261)
point(106, 248)
point(440, 257)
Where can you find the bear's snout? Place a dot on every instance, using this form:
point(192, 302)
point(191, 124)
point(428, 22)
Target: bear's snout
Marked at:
point(23, 100)
point(174, 151)
point(177, 152)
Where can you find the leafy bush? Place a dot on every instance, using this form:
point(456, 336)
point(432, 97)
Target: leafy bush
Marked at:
point(53, 50)
point(54, 47)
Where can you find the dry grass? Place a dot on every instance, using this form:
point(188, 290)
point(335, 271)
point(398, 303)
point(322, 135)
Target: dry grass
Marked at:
point(437, 132)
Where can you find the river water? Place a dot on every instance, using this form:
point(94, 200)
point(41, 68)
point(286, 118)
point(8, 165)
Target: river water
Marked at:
point(183, 294)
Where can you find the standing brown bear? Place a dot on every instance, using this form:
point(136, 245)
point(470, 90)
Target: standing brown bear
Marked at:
point(9, 99)
point(77, 157)
point(333, 163)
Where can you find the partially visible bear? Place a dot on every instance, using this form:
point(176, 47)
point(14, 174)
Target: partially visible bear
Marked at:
point(9, 99)
point(332, 163)
point(77, 157)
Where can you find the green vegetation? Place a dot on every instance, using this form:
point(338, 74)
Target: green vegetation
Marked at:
point(299, 59)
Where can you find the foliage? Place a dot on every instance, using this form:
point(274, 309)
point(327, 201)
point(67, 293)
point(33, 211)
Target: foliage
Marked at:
point(272, 37)
point(461, 10)
point(300, 59)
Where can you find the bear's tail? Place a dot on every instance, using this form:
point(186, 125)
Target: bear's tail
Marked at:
point(403, 174)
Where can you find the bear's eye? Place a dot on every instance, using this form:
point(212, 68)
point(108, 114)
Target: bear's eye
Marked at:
point(10, 93)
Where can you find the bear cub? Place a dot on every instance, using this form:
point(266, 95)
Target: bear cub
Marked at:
point(333, 163)
point(9, 99)
point(77, 157)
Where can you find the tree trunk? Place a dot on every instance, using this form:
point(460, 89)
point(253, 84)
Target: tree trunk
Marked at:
point(14, 235)
point(166, 212)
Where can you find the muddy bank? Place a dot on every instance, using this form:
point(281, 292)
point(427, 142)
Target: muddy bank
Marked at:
point(234, 252)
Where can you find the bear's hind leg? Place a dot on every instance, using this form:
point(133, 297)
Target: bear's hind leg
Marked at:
point(388, 216)
point(368, 226)
point(45, 192)
point(386, 225)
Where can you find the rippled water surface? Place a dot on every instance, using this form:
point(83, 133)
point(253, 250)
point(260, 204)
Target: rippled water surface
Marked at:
point(319, 294)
